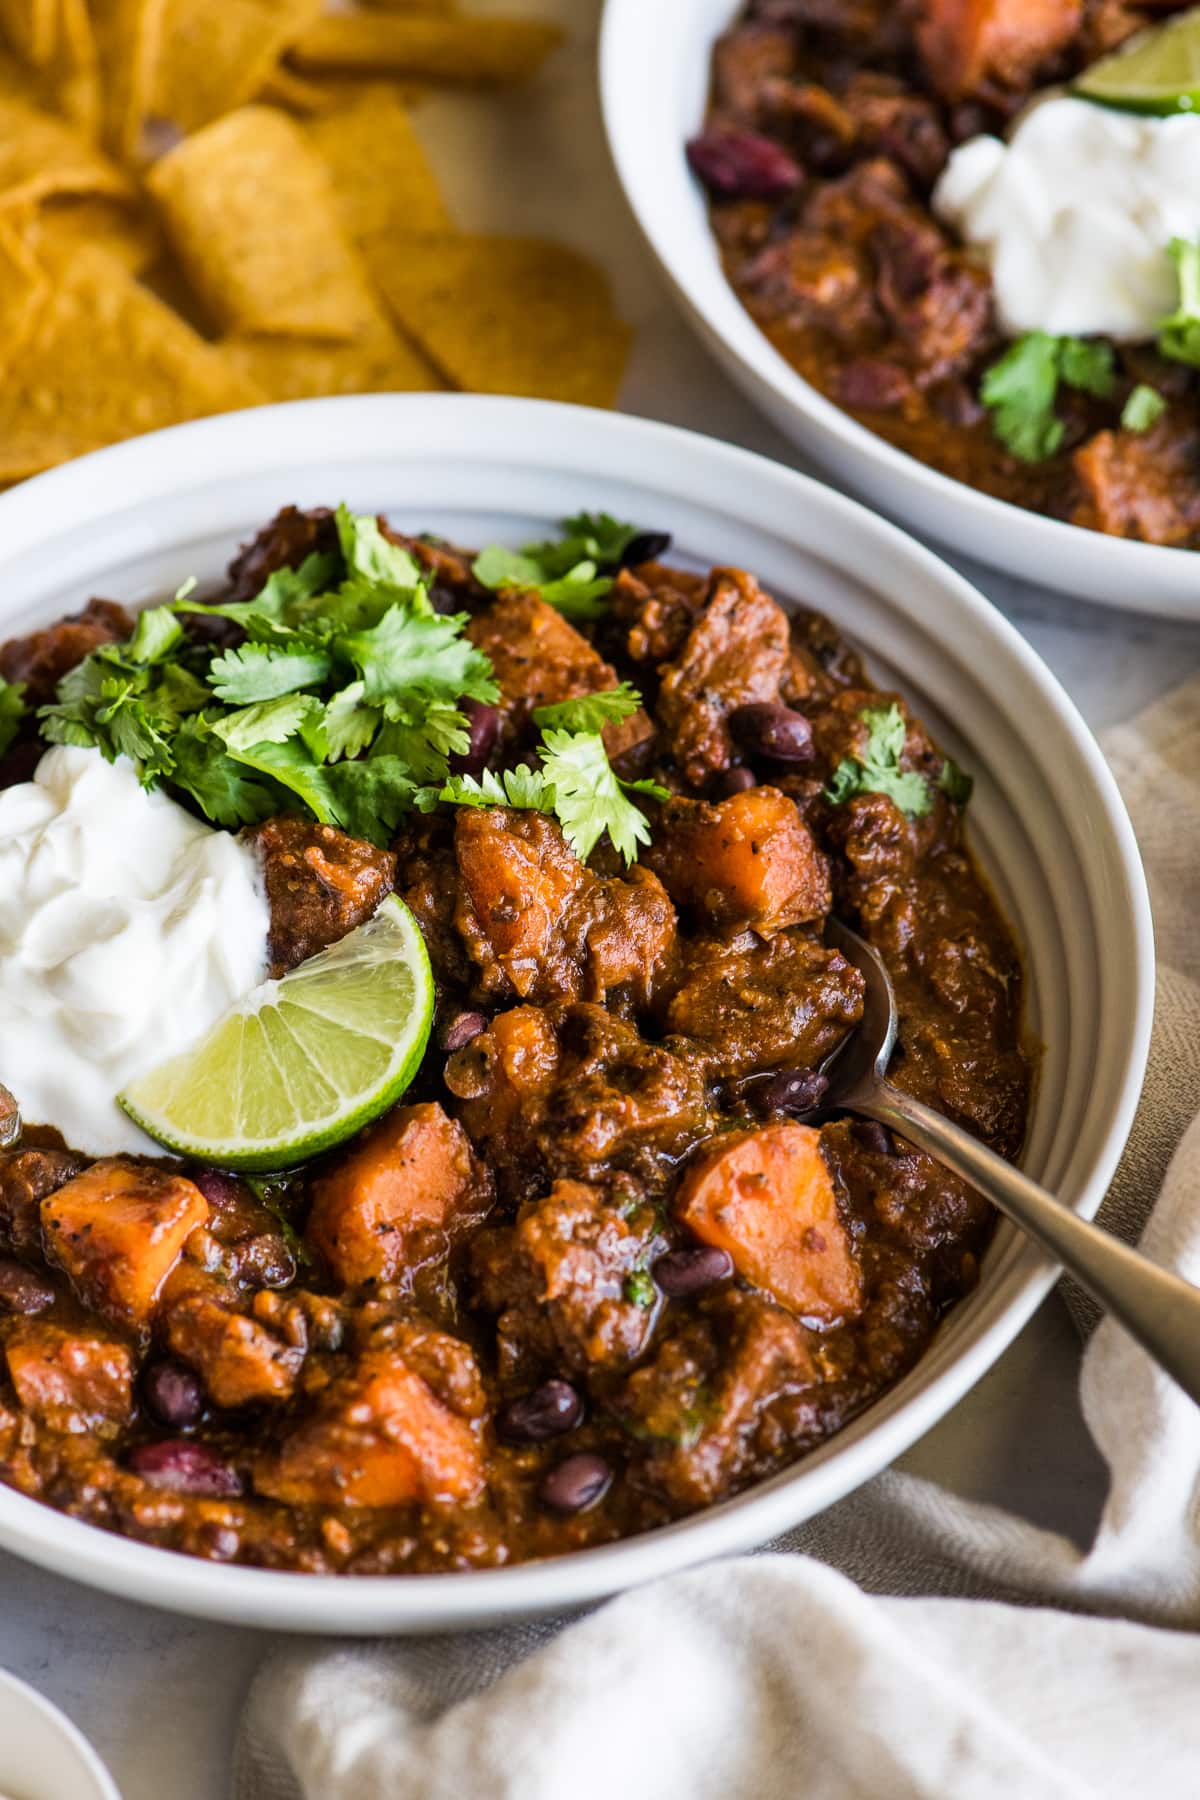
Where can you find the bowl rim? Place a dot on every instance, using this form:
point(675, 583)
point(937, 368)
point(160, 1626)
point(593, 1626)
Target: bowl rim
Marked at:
point(48, 1724)
point(743, 340)
point(300, 437)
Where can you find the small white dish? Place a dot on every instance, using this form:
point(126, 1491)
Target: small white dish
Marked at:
point(42, 1755)
point(1048, 825)
point(654, 81)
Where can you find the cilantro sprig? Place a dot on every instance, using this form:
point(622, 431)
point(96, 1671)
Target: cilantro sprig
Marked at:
point(575, 780)
point(1020, 389)
point(571, 572)
point(877, 770)
point(12, 711)
point(1179, 332)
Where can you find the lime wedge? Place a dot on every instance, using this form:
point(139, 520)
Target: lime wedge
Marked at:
point(1158, 71)
point(301, 1063)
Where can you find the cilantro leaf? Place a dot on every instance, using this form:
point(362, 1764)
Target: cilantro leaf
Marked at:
point(877, 770)
point(283, 590)
point(1144, 406)
point(589, 712)
point(427, 747)
point(525, 789)
point(155, 635)
point(12, 711)
point(369, 798)
point(270, 722)
point(370, 554)
point(589, 796)
point(499, 567)
point(294, 767)
point(955, 783)
point(604, 538)
point(564, 571)
point(349, 725)
point(265, 671)
point(1179, 332)
point(224, 790)
point(1020, 389)
point(411, 659)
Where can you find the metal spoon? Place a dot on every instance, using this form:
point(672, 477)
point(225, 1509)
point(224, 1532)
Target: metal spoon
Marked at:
point(1159, 1309)
point(10, 1119)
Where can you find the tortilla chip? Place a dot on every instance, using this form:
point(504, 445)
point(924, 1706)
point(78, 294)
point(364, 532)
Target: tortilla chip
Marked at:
point(23, 291)
point(295, 93)
point(61, 228)
point(31, 28)
point(413, 6)
point(106, 361)
point(41, 155)
point(127, 34)
point(506, 315)
point(214, 55)
point(382, 181)
point(250, 211)
point(76, 70)
point(378, 361)
point(441, 49)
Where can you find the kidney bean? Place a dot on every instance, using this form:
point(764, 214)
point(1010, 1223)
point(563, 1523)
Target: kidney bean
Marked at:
point(734, 781)
point(683, 1272)
point(792, 1090)
point(222, 1191)
point(21, 1291)
point(547, 1412)
point(462, 1028)
point(647, 546)
point(873, 385)
point(742, 165)
point(483, 728)
point(186, 1468)
point(766, 728)
point(172, 1393)
point(873, 1136)
point(576, 1483)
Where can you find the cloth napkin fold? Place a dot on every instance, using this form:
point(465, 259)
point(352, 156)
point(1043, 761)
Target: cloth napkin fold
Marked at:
point(905, 1643)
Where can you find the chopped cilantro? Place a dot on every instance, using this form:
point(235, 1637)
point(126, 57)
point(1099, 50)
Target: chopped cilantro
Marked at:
point(878, 770)
point(12, 711)
point(1020, 389)
point(639, 1289)
point(568, 572)
point(258, 672)
point(1179, 332)
point(590, 712)
point(589, 796)
point(1144, 405)
point(955, 783)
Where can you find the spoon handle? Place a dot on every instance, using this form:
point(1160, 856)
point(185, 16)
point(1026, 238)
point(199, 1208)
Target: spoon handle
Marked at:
point(1159, 1309)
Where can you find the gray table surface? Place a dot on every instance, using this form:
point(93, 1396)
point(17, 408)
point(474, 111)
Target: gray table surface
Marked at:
point(160, 1696)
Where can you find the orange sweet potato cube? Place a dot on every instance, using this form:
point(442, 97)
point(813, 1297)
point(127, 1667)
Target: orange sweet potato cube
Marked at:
point(749, 861)
point(767, 1197)
point(411, 1171)
point(118, 1230)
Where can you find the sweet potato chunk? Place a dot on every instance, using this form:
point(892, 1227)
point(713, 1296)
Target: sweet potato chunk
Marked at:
point(238, 1360)
point(74, 1381)
point(380, 1437)
point(750, 861)
point(118, 1229)
point(980, 48)
point(523, 884)
point(768, 1198)
point(411, 1172)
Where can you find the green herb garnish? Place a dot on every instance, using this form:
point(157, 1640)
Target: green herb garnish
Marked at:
point(1179, 332)
point(1020, 389)
point(878, 770)
point(639, 1288)
point(12, 711)
point(1143, 408)
point(568, 572)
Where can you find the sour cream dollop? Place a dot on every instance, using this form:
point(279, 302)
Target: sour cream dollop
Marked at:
point(1075, 213)
point(126, 929)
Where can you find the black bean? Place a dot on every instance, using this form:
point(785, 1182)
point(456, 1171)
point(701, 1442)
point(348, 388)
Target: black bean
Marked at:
point(872, 1136)
point(766, 728)
point(683, 1272)
point(21, 1291)
point(576, 1484)
point(186, 1468)
point(172, 1394)
point(733, 781)
point(222, 1191)
point(547, 1412)
point(742, 165)
point(462, 1028)
point(647, 546)
point(792, 1090)
point(483, 728)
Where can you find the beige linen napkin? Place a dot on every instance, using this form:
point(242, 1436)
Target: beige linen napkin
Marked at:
point(840, 1666)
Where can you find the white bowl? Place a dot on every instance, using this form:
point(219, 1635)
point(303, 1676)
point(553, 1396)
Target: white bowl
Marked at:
point(654, 81)
point(42, 1755)
point(1048, 824)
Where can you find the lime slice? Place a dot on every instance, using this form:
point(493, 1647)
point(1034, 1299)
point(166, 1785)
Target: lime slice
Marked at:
point(1158, 71)
point(301, 1063)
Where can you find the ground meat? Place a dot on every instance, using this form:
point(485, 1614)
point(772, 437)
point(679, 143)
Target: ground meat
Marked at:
point(560, 1280)
point(320, 885)
point(1142, 485)
point(27, 1176)
point(44, 657)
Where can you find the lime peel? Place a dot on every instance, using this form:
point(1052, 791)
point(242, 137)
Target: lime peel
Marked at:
point(1157, 71)
point(302, 1062)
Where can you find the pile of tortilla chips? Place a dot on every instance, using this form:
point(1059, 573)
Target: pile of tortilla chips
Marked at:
point(210, 204)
